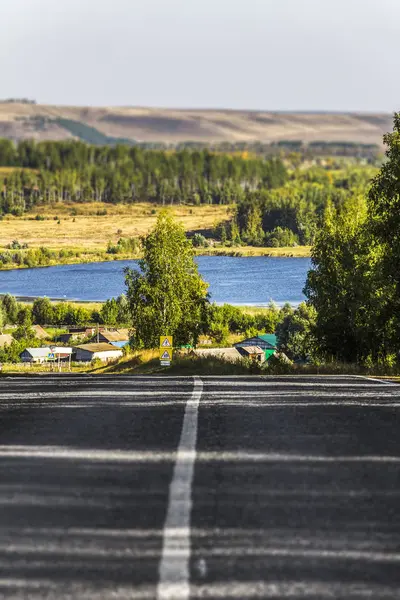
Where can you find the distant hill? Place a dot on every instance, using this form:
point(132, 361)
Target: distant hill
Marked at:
point(125, 124)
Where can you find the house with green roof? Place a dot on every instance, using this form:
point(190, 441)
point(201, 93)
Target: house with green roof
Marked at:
point(266, 341)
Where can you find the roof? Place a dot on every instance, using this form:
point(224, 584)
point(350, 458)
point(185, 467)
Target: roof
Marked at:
point(60, 350)
point(120, 344)
point(74, 334)
point(252, 350)
point(100, 347)
point(5, 338)
point(261, 339)
point(40, 332)
point(270, 338)
point(39, 352)
point(228, 354)
point(115, 336)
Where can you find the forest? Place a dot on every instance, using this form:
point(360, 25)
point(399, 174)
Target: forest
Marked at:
point(278, 200)
point(49, 172)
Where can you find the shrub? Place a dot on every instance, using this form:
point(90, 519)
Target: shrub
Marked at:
point(199, 241)
point(96, 363)
point(280, 238)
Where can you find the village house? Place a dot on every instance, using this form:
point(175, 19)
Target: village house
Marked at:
point(266, 341)
point(80, 333)
point(102, 351)
point(45, 354)
point(76, 334)
point(252, 352)
point(119, 338)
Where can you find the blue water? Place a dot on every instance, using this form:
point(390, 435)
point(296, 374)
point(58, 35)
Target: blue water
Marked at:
point(250, 280)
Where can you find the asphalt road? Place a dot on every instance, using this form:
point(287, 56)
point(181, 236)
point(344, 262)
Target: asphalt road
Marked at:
point(186, 488)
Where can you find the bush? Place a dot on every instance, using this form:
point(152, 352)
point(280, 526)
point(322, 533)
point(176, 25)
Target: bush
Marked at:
point(15, 245)
point(124, 246)
point(199, 241)
point(280, 238)
point(96, 363)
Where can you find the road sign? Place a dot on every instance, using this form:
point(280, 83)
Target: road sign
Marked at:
point(166, 354)
point(166, 344)
point(166, 341)
point(50, 356)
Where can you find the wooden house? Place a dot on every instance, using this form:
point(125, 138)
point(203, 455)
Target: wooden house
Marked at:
point(119, 338)
point(252, 352)
point(45, 354)
point(266, 341)
point(102, 351)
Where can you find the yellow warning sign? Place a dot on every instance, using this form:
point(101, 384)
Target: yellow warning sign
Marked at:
point(166, 341)
point(165, 354)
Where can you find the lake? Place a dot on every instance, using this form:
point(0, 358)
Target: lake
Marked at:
point(254, 280)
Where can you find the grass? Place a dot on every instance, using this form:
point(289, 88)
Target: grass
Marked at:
point(297, 251)
point(38, 369)
point(211, 365)
point(147, 363)
point(85, 227)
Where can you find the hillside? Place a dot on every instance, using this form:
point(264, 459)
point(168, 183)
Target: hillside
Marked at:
point(102, 125)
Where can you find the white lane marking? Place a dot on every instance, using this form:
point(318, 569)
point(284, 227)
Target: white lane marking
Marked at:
point(174, 576)
point(183, 472)
point(383, 381)
point(92, 394)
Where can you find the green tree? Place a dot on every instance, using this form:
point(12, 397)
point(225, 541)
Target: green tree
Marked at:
point(166, 296)
point(280, 238)
point(42, 311)
point(123, 309)
point(341, 285)
point(3, 318)
point(384, 225)
point(296, 332)
point(109, 312)
point(24, 321)
point(10, 306)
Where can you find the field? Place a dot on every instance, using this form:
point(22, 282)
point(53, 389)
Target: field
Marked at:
point(86, 227)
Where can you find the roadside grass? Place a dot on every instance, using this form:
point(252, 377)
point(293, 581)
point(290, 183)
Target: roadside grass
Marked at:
point(42, 369)
point(147, 363)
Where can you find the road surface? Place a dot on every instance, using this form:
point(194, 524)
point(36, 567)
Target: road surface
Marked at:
point(186, 488)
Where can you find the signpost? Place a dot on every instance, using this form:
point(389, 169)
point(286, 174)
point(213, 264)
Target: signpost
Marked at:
point(166, 346)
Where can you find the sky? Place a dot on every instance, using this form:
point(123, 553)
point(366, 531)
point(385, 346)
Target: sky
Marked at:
point(328, 55)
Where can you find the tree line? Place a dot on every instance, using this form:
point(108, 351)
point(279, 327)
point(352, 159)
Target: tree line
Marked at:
point(50, 172)
point(354, 285)
point(293, 214)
